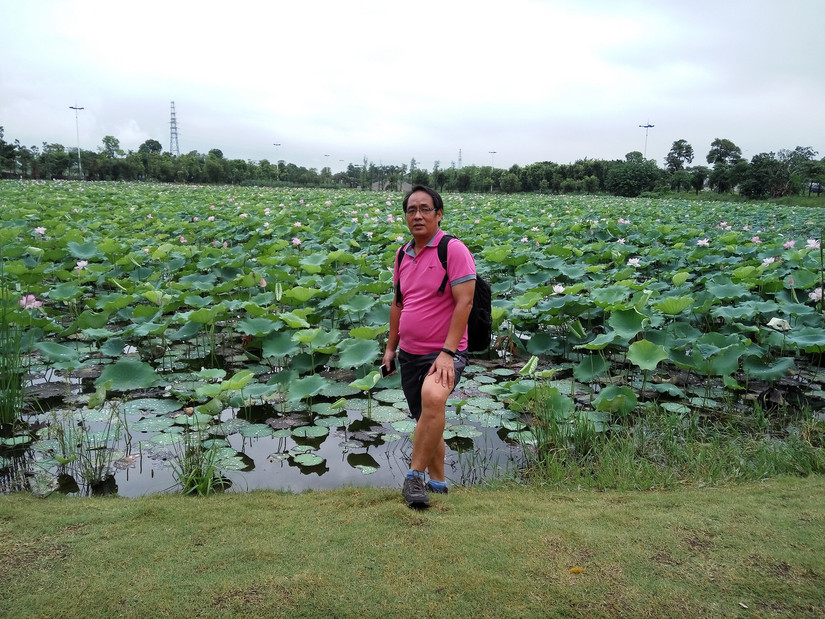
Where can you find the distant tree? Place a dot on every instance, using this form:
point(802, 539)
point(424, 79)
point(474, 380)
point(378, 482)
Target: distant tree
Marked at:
point(7, 154)
point(681, 153)
point(632, 177)
point(698, 175)
point(634, 157)
point(723, 151)
point(54, 160)
point(111, 147)
point(150, 147)
point(509, 182)
point(766, 176)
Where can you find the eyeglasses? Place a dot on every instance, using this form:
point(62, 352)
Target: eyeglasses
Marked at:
point(424, 210)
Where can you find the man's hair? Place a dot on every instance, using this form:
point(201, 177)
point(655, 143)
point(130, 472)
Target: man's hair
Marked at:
point(438, 203)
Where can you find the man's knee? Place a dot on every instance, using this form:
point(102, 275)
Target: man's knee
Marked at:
point(433, 395)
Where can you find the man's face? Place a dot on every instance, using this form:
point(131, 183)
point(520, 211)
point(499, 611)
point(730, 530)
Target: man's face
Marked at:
point(422, 225)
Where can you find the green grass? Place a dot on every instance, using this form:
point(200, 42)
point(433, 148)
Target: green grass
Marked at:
point(754, 549)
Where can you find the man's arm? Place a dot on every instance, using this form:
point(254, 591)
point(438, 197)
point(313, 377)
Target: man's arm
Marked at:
point(392, 339)
point(463, 296)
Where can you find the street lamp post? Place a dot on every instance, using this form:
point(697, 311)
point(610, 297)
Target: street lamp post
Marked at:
point(77, 130)
point(646, 127)
point(492, 157)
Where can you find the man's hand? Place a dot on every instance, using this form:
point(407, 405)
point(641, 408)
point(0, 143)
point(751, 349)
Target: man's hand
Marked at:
point(444, 369)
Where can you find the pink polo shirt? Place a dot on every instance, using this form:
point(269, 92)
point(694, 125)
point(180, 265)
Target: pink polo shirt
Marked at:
point(426, 315)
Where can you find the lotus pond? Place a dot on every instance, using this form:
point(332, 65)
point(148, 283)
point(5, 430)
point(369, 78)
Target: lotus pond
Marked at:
point(142, 323)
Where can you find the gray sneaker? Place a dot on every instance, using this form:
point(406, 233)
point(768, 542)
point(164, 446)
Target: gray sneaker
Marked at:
point(431, 489)
point(414, 493)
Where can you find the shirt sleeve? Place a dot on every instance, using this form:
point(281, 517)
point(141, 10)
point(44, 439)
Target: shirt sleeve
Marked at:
point(461, 266)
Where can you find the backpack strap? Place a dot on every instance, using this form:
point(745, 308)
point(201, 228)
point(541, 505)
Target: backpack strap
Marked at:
point(442, 256)
point(399, 256)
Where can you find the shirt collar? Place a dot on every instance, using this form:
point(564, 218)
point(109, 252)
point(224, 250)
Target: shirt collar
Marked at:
point(433, 242)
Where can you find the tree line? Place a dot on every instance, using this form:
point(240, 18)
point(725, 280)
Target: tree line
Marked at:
point(766, 175)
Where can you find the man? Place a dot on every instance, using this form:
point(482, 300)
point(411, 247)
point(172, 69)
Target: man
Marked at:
point(431, 331)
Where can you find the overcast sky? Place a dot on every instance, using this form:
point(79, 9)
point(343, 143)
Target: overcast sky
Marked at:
point(330, 80)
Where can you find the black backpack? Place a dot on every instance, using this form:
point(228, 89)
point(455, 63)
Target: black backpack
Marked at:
point(480, 323)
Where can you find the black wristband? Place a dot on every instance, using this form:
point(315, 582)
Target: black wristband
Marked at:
point(448, 351)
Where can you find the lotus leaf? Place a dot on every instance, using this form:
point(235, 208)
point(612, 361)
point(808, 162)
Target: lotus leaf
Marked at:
point(308, 459)
point(646, 355)
point(616, 400)
point(310, 431)
point(127, 374)
point(307, 386)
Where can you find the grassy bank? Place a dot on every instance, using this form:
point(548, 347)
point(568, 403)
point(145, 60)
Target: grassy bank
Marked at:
point(753, 549)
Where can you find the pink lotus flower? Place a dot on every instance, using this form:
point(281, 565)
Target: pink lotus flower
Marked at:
point(768, 260)
point(267, 211)
point(328, 203)
point(558, 289)
point(369, 234)
point(28, 302)
point(633, 262)
point(210, 218)
point(703, 243)
point(621, 241)
point(244, 215)
point(182, 239)
point(297, 224)
point(790, 281)
point(789, 244)
point(196, 219)
point(40, 230)
point(755, 239)
point(812, 244)
point(816, 295)
point(524, 239)
point(296, 241)
point(81, 264)
point(262, 283)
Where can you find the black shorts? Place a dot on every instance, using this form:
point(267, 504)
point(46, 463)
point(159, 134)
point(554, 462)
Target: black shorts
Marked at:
point(414, 369)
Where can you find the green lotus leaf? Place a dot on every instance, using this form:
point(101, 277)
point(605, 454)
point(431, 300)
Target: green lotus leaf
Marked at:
point(368, 333)
point(308, 459)
point(673, 305)
point(646, 355)
point(616, 400)
point(299, 294)
point(58, 352)
point(156, 406)
point(259, 327)
point(627, 323)
point(313, 262)
point(367, 382)
point(602, 341)
point(239, 380)
point(527, 300)
point(728, 292)
point(83, 251)
point(359, 303)
point(280, 345)
point(590, 367)
point(65, 292)
point(310, 431)
point(611, 297)
point(357, 352)
point(308, 386)
point(256, 430)
point(127, 374)
point(809, 339)
point(294, 319)
point(765, 370)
